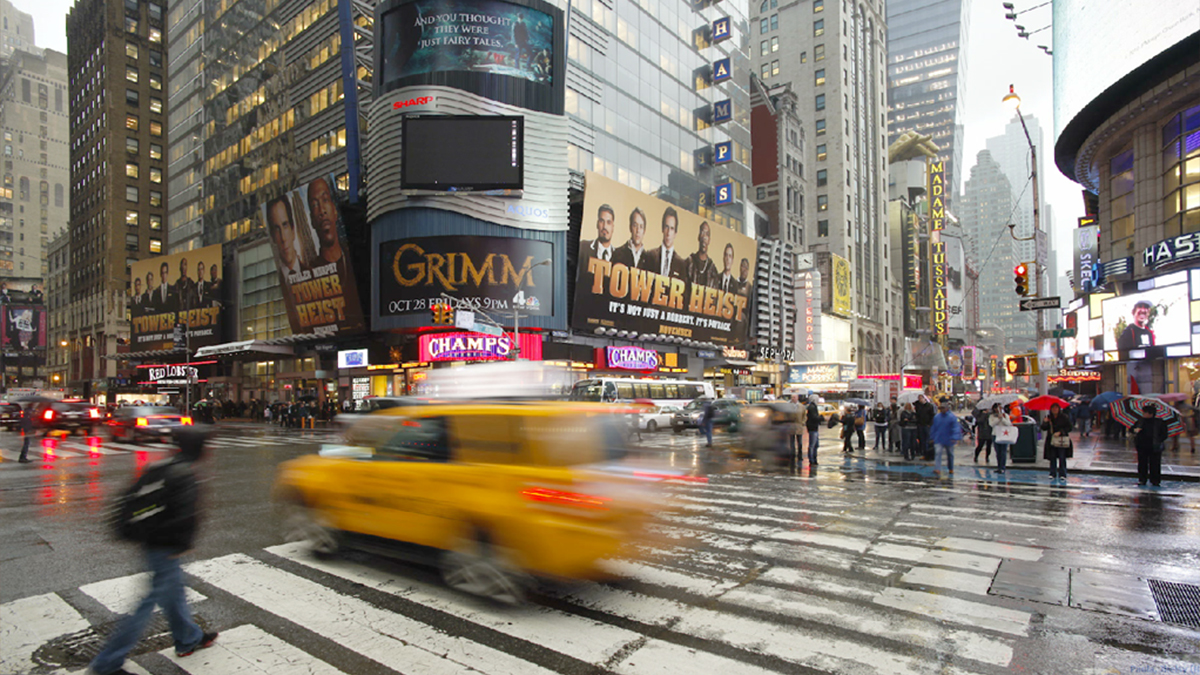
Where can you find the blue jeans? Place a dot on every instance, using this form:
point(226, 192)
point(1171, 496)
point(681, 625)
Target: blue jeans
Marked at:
point(908, 439)
point(881, 432)
point(1058, 462)
point(706, 429)
point(939, 450)
point(166, 591)
point(814, 441)
point(1001, 455)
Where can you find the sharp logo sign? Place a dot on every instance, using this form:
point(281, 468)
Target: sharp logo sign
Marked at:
point(420, 100)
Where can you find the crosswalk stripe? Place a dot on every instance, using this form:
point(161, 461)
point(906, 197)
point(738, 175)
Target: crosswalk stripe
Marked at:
point(247, 650)
point(957, 610)
point(27, 623)
point(1008, 517)
point(122, 594)
point(966, 561)
point(581, 638)
point(992, 548)
point(380, 635)
point(97, 449)
point(965, 582)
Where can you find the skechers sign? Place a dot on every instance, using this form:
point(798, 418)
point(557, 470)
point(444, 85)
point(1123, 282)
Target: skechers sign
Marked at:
point(631, 358)
point(476, 347)
point(1173, 250)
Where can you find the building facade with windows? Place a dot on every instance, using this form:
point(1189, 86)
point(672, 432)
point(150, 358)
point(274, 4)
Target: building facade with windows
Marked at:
point(927, 75)
point(118, 117)
point(16, 31)
point(833, 54)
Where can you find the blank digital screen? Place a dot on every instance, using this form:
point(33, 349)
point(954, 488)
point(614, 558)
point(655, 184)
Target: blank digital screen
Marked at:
point(463, 153)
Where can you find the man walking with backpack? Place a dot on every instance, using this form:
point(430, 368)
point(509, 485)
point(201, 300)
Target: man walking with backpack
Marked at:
point(159, 512)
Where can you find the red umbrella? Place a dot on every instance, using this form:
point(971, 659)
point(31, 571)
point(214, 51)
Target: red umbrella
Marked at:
point(1044, 403)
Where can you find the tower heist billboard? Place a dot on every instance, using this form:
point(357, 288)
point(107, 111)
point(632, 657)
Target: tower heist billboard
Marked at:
point(648, 267)
point(313, 258)
point(183, 289)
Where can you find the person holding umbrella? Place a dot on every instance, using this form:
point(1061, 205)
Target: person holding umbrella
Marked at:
point(1150, 436)
point(998, 422)
point(1058, 446)
point(983, 435)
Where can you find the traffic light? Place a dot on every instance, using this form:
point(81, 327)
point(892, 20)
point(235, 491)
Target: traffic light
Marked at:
point(443, 313)
point(1017, 365)
point(1021, 279)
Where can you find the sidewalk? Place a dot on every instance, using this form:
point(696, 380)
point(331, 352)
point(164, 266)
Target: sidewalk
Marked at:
point(1092, 455)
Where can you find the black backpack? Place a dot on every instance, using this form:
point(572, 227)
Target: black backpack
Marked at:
point(143, 508)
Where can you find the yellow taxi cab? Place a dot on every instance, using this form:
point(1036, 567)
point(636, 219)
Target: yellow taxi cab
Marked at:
point(503, 492)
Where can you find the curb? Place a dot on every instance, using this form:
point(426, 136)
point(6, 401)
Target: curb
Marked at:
point(1178, 477)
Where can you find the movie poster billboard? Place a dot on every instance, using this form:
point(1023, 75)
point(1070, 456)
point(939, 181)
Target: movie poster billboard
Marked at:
point(486, 273)
point(308, 239)
point(482, 36)
point(841, 285)
point(22, 327)
point(648, 267)
point(21, 292)
point(183, 288)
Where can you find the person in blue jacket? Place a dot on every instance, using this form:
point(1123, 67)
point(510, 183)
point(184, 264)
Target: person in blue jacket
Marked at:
point(944, 433)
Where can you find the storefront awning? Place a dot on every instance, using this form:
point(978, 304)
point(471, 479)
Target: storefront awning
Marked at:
point(150, 354)
point(245, 347)
point(740, 363)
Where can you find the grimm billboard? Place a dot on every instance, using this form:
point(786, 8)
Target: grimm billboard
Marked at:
point(182, 288)
point(486, 273)
point(312, 255)
point(701, 295)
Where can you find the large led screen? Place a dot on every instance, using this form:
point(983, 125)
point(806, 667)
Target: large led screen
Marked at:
point(648, 267)
point(480, 36)
point(181, 288)
point(1098, 43)
point(465, 153)
point(1153, 318)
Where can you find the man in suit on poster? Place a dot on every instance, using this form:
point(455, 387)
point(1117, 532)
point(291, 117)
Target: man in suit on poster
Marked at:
point(665, 260)
point(725, 282)
point(633, 254)
point(163, 298)
point(601, 247)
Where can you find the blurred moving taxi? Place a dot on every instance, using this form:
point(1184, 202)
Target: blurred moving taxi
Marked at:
point(137, 423)
point(502, 493)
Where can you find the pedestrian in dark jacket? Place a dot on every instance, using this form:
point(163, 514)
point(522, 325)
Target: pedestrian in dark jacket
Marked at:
point(849, 420)
point(860, 426)
point(812, 422)
point(1150, 438)
point(163, 548)
point(945, 433)
point(1058, 447)
point(908, 431)
point(983, 436)
point(925, 412)
point(894, 436)
point(26, 431)
point(882, 417)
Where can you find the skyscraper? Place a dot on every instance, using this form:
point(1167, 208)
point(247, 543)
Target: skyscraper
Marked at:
point(16, 30)
point(117, 68)
point(985, 209)
point(1011, 152)
point(833, 54)
point(927, 75)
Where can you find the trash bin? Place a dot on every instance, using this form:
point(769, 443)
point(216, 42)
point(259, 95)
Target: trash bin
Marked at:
point(1025, 449)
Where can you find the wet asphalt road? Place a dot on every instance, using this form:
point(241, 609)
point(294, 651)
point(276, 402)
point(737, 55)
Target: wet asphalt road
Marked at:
point(859, 566)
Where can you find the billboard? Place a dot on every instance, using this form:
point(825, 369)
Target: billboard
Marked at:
point(183, 288)
point(477, 347)
point(22, 327)
point(21, 292)
point(674, 288)
point(841, 286)
point(1086, 240)
point(1152, 318)
point(486, 273)
point(956, 272)
point(481, 36)
point(308, 239)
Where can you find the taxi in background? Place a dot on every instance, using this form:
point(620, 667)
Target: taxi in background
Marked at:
point(501, 493)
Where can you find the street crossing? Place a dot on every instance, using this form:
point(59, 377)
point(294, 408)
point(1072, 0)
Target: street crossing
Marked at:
point(745, 574)
point(79, 446)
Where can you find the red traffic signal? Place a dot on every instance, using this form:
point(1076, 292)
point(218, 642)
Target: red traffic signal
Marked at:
point(1021, 279)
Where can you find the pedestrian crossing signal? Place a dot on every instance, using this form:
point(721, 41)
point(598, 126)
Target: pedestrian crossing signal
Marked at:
point(443, 313)
point(1017, 365)
point(1021, 279)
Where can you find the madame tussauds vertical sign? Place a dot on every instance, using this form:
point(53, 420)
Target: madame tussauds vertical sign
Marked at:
point(937, 223)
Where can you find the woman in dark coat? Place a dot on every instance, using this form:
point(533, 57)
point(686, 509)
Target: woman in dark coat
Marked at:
point(849, 421)
point(1057, 424)
point(983, 436)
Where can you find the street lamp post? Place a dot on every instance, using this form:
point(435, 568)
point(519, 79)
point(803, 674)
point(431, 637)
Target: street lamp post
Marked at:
point(1014, 102)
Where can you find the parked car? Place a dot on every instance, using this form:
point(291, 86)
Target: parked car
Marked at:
point(500, 493)
point(66, 415)
point(139, 423)
point(658, 417)
point(726, 413)
point(10, 415)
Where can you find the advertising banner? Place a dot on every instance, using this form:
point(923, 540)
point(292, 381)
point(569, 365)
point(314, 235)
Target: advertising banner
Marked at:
point(821, 373)
point(485, 273)
point(1152, 318)
point(23, 327)
point(313, 258)
point(486, 36)
point(21, 292)
point(1087, 255)
point(181, 288)
point(841, 286)
point(956, 315)
point(695, 282)
point(477, 347)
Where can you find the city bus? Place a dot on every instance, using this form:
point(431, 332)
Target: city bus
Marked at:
point(662, 392)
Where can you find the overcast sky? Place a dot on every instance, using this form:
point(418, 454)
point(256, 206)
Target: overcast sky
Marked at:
point(996, 57)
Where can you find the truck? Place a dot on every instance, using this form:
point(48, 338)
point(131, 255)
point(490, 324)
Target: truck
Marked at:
point(873, 390)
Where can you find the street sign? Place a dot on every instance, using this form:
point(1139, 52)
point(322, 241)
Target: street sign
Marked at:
point(1063, 333)
point(1031, 304)
point(487, 330)
point(464, 319)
